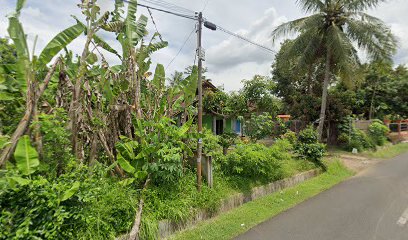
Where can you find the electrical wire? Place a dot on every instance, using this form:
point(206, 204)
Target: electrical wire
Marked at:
point(205, 5)
point(184, 44)
point(165, 11)
point(154, 23)
point(169, 6)
point(245, 39)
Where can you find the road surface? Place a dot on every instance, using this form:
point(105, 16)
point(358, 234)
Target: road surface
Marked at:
point(370, 206)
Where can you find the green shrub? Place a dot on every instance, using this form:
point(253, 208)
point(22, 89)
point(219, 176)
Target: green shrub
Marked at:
point(378, 133)
point(179, 202)
point(57, 152)
point(281, 150)
point(227, 139)
point(259, 126)
point(290, 136)
point(308, 146)
point(82, 204)
point(358, 140)
point(252, 161)
point(351, 137)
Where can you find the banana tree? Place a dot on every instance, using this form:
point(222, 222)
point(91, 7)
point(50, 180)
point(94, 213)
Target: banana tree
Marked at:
point(26, 68)
point(130, 33)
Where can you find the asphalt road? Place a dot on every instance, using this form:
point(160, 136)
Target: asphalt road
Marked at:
point(370, 206)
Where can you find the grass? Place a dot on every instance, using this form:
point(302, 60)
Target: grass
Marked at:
point(240, 220)
point(385, 152)
point(388, 152)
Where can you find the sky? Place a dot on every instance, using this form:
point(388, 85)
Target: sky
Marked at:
point(229, 60)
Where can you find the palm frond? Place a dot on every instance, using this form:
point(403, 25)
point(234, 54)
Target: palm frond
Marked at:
point(297, 25)
point(360, 5)
point(344, 55)
point(311, 5)
point(374, 37)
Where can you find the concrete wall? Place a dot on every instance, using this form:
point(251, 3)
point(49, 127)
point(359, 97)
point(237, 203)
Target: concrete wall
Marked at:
point(167, 228)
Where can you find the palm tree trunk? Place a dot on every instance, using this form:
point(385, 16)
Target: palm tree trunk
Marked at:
point(372, 105)
point(324, 95)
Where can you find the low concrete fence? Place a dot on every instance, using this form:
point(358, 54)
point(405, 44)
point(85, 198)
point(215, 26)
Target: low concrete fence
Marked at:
point(167, 228)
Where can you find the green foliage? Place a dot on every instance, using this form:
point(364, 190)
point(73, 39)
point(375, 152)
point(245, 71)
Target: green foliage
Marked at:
point(351, 138)
point(158, 153)
point(308, 146)
point(26, 156)
point(259, 95)
point(59, 42)
point(57, 152)
point(227, 139)
point(259, 126)
point(252, 161)
point(290, 137)
point(85, 200)
point(357, 139)
point(378, 133)
point(217, 102)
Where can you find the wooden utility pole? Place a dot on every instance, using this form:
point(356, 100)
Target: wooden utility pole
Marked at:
point(200, 54)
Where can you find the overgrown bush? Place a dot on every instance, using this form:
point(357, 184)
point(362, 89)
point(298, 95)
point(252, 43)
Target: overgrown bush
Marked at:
point(227, 139)
point(82, 204)
point(351, 137)
point(180, 201)
point(57, 152)
point(378, 133)
point(308, 146)
point(252, 161)
point(259, 126)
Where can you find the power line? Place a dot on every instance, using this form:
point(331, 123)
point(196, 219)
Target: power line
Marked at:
point(165, 11)
point(169, 6)
point(154, 23)
point(205, 5)
point(245, 39)
point(212, 26)
point(185, 42)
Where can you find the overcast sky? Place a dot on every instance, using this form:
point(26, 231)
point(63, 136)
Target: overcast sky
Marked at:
point(229, 60)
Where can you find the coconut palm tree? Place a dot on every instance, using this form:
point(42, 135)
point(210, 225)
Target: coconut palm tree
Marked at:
point(332, 33)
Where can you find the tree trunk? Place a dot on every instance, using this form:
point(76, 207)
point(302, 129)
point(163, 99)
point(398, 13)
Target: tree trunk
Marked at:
point(324, 96)
point(370, 115)
point(134, 233)
point(31, 104)
point(75, 111)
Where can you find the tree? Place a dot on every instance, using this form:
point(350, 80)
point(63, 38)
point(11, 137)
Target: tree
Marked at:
point(329, 34)
point(297, 86)
point(25, 71)
point(259, 95)
point(176, 78)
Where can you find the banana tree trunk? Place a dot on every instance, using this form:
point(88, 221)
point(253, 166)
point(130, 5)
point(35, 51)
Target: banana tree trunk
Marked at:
point(324, 96)
point(134, 233)
point(76, 111)
point(31, 105)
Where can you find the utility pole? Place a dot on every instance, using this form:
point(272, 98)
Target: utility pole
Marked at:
point(200, 54)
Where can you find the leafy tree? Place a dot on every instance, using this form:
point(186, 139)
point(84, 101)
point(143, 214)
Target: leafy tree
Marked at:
point(8, 53)
point(259, 126)
point(11, 101)
point(25, 71)
point(298, 87)
point(176, 78)
point(259, 95)
point(329, 34)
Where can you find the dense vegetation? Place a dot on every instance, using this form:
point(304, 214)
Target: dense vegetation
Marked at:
point(91, 150)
